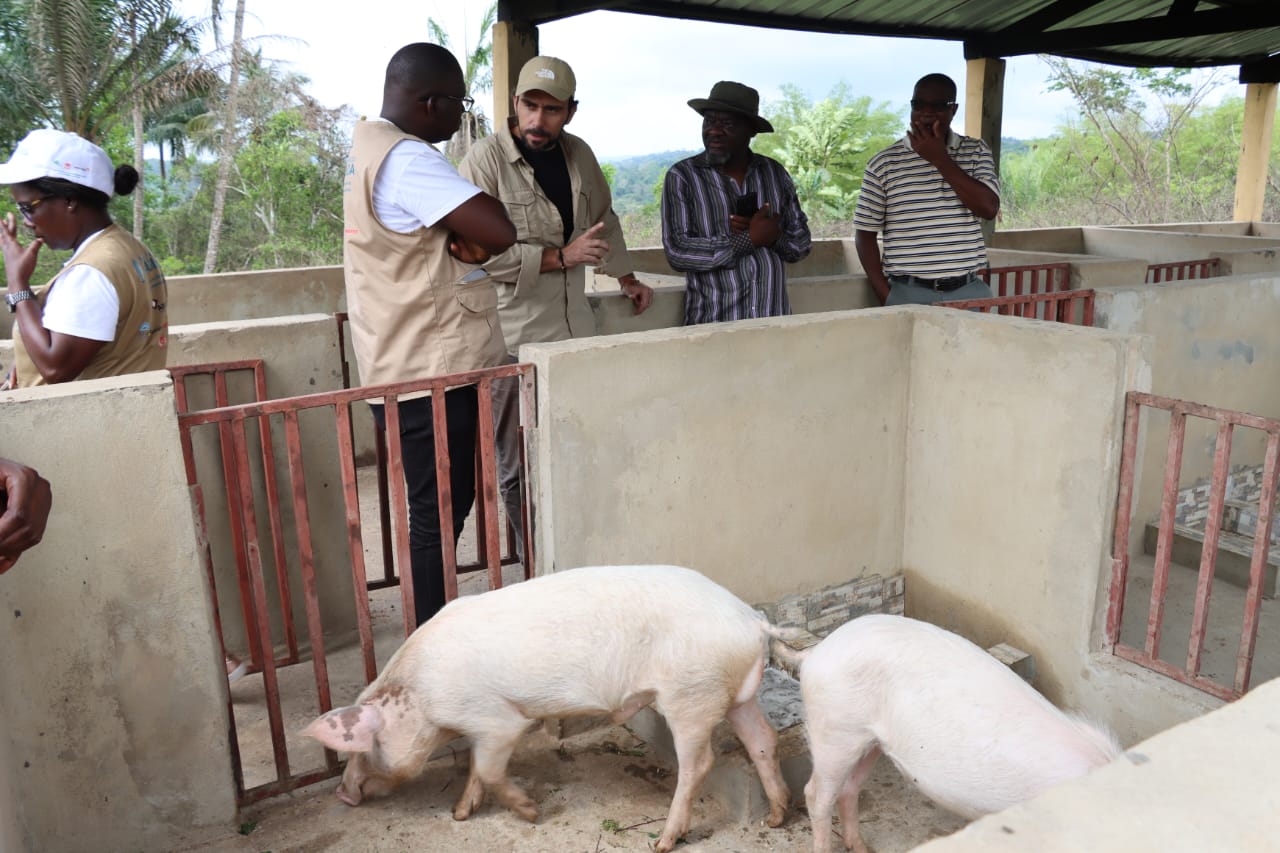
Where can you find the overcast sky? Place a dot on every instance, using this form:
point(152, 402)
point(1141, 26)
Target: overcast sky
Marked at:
point(635, 72)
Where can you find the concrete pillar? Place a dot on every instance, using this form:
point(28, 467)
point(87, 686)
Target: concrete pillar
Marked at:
point(984, 109)
point(1255, 150)
point(514, 44)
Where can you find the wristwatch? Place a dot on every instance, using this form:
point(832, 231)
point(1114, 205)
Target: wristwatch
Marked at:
point(12, 299)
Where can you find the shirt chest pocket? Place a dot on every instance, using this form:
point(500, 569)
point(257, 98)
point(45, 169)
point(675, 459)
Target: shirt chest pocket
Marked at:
point(522, 207)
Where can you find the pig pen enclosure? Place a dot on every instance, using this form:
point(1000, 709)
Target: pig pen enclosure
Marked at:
point(602, 788)
point(598, 788)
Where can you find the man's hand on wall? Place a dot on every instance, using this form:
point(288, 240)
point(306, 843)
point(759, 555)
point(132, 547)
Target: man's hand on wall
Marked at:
point(640, 294)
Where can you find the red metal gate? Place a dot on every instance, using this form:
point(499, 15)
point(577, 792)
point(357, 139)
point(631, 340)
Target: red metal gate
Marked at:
point(242, 470)
point(1063, 306)
point(1140, 404)
point(1183, 270)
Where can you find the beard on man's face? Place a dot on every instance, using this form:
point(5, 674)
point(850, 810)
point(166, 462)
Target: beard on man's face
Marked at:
point(717, 158)
point(537, 140)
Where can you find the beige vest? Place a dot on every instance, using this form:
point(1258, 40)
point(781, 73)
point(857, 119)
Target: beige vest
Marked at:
point(142, 329)
point(412, 316)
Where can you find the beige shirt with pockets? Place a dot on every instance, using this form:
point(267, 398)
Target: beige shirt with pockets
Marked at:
point(544, 306)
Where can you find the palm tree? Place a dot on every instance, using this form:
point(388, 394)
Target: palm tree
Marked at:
point(88, 66)
point(228, 145)
point(477, 77)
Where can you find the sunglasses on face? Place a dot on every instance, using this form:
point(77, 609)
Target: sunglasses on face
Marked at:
point(28, 208)
point(935, 106)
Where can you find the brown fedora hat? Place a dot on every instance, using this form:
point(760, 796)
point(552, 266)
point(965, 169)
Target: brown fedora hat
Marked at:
point(729, 97)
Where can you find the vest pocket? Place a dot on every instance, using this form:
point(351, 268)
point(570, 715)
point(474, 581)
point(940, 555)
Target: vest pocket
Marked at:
point(477, 298)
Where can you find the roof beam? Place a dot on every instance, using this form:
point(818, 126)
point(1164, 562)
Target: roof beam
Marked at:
point(543, 11)
point(1103, 36)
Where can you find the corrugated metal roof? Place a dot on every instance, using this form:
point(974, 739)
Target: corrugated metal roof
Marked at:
point(1186, 33)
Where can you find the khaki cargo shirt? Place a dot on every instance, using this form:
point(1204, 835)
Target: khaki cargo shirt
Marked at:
point(544, 306)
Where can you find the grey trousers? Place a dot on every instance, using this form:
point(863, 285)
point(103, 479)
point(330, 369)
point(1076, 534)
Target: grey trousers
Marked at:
point(902, 291)
point(506, 424)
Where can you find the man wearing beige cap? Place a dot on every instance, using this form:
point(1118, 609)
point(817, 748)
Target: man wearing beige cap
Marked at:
point(560, 203)
point(730, 217)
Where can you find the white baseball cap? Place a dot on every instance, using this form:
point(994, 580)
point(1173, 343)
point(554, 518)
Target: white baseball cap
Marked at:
point(47, 153)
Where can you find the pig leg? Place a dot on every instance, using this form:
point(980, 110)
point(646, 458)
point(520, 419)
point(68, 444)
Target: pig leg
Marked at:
point(761, 742)
point(693, 754)
point(489, 756)
point(834, 765)
point(847, 802)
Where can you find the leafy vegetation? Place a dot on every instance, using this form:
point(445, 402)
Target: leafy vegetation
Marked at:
point(1144, 145)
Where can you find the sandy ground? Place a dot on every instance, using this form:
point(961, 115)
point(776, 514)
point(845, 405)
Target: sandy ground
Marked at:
point(596, 792)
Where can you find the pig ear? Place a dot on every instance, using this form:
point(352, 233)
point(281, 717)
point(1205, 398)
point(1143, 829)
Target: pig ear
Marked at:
point(350, 729)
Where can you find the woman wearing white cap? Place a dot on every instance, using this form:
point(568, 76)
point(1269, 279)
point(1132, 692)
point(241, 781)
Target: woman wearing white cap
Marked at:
point(103, 314)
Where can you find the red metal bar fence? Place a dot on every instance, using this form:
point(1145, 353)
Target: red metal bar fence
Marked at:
point(233, 423)
point(1027, 279)
point(1183, 270)
point(389, 575)
point(1149, 655)
point(1063, 306)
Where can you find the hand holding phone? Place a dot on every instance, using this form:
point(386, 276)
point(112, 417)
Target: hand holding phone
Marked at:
point(746, 205)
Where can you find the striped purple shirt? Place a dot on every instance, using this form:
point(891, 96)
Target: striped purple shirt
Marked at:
point(726, 277)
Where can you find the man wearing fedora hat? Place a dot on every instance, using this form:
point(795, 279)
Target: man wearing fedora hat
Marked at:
point(559, 200)
point(730, 217)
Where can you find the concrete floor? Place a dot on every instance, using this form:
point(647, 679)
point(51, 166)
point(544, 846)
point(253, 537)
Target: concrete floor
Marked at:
point(1226, 615)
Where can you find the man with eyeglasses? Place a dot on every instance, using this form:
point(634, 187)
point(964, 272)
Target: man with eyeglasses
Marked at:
point(730, 217)
point(559, 200)
point(927, 195)
point(413, 232)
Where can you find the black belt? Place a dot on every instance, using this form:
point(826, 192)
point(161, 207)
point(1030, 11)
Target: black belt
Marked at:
point(942, 285)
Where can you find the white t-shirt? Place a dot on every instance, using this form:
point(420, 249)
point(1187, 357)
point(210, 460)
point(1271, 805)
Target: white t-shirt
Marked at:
point(82, 302)
point(416, 187)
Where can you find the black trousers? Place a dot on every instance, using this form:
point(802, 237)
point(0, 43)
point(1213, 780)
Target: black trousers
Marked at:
point(418, 451)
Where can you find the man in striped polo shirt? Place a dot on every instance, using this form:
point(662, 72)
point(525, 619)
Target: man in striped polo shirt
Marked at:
point(927, 194)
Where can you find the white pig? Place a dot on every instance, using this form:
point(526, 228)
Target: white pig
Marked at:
point(590, 641)
point(972, 735)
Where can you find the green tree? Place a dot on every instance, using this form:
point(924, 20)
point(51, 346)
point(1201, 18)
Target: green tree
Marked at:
point(81, 64)
point(477, 77)
point(1132, 155)
point(826, 145)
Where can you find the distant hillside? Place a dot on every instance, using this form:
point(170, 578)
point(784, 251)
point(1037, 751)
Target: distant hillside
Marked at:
point(635, 181)
point(633, 185)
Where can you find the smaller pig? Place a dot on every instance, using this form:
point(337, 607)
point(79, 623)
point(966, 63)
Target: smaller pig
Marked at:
point(604, 640)
point(971, 735)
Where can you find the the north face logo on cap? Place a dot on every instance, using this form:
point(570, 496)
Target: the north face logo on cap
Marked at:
point(545, 72)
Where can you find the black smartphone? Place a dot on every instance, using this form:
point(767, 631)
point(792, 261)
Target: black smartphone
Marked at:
point(746, 205)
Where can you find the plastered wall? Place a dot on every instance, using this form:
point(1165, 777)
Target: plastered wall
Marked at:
point(245, 295)
point(762, 453)
point(977, 454)
point(113, 712)
point(1212, 342)
point(1012, 463)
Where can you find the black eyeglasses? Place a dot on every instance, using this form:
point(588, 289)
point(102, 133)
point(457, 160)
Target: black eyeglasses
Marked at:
point(466, 100)
point(936, 106)
point(28, 208)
